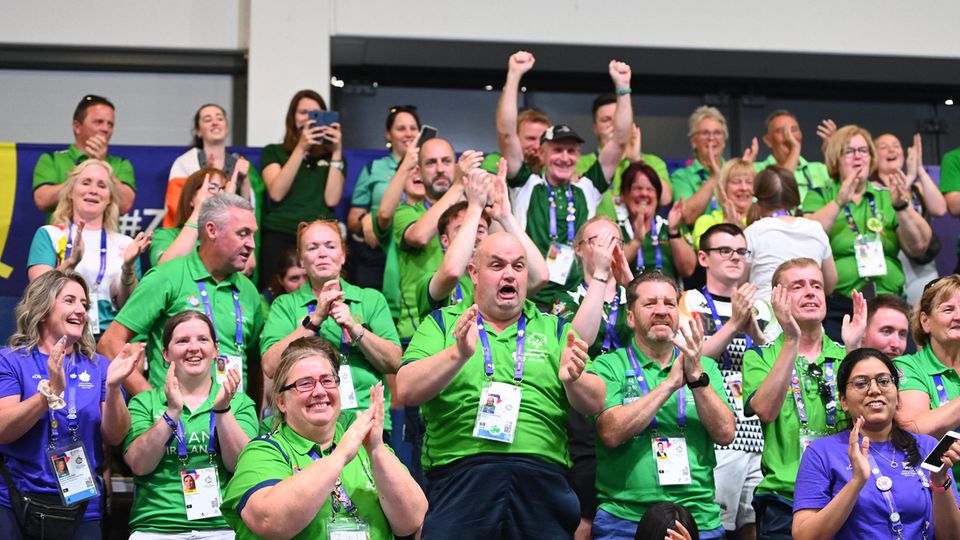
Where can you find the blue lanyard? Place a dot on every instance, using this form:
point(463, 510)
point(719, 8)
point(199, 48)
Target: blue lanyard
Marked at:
point(238, 315)
point(895, 524)
point(780, 213)
point(831, 406)
point(181, 436)
point(655, 240)
point(456, 295)
point(610, 341)
point(718, 324)
point(941, 389)
point(809, 180)
point(488, 354)
point(103, 251)
point(873, 210)
point(72, 383)
point(713, 200)
point(344, 342)
point(644, 389)
point(571, 214)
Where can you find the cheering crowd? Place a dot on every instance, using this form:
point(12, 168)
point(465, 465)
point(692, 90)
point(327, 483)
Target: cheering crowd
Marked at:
point(584, 345)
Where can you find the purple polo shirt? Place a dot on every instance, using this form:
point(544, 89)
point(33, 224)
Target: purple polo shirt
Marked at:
point(26, 458)
point(825, 469)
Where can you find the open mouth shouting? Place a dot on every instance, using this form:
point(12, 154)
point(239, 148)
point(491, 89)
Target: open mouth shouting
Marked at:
point(508, 292)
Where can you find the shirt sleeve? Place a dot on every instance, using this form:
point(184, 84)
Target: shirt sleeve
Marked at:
point(281, 320)
point(405, 216)
point(124, 172)
point(755, 370)
point(45, 171)
point(378, 315)
point(270, 155)
point(260, 465)
point(817, 199)
point(912, 377)
point(949, 172)
point(812, 490)
point(42, 250)
point(363, 190)
point(605, 366)
point(10, 383)
point(245, 412)
point(141, 418)
point(427, 341)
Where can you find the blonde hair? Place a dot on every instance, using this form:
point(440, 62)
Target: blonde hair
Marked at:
point(703, 112)
point(63, 214)
point(732, 166)
point(933, 294)
point(37, 302)
point(298, 350)
point(837, 144)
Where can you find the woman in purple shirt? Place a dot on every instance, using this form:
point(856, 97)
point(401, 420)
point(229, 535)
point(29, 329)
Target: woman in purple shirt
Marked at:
point(853, 488)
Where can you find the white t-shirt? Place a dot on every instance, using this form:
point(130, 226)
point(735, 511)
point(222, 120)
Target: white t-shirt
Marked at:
point(774, 240)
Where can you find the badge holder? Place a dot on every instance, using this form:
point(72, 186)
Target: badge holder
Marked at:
point(228, 362)
point(93, 313)
point(345, 524)
point(498, 411)
point(671, 459)
point(201, 492)
point(348, 392)
point(560, 259)
point(74, 476)
point(870, 259)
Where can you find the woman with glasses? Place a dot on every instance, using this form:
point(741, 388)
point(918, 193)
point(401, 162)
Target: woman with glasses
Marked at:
point(696, 184)
point(867, 227)
point(185, 437)
point(311, 477)
point(866, 481)
point(304, 177)
point(776, 233)
point(735, 196)
point(368, 260)
point(931, 384)
point(355, 320)
point(181, 239)
point(59, 400)
point(650, 241)
point(83, 236)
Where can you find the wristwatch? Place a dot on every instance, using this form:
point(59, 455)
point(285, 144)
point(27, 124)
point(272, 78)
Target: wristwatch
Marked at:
point(308, 324)
point(941, 489)
point(703, 380)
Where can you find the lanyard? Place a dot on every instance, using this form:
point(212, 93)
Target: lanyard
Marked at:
point(941, 389)
point(873, 210)
point(655, 231)
point(809, 181)
point(488, 355)
point(702, 173)
point(610, 341)
point(181, 436)
point(103, 251)
point(456, 295)
point(718, 324)
point(644, 389)
point(72, 382)
point(339, 499)
point(831, 406)
point(571, 214)
point(780, 213)
point(885, 487)
point(344, 340)
point(238, 315)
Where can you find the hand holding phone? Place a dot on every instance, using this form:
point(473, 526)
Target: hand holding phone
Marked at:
point(932, 461)
point(426, 133)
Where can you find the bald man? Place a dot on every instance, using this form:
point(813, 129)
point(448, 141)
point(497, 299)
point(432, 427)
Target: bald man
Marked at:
point(494, 381)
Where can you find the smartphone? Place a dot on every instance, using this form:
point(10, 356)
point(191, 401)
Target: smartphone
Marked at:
point(426, 133)
point(932, 462)
point(323, 118)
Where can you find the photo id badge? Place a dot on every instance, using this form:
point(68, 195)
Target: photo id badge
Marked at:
point(670, 457)
point(226, 362)
point(347, 528)
point(72, 471)
point(805, 440)
point(560, 259)
point(735, 384)
point(870, 259)
point(93, 313)
point(348, 393)
point(498, 412)
point(201, 493)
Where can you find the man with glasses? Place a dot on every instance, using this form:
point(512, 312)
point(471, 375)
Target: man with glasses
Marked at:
point(784, 139)
point(498, 473)
point(733, 321)
point(664, 412)
point(790, 384)
point(93, 121)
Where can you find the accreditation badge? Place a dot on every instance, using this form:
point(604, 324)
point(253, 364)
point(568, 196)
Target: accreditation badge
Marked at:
point(347, 528)
point(735, 384)
point(806, 438)
point(498, 412)
point(93, 312)
point(870, 259)
point(348, 393)
point(670, 457)
point(201, 493)
point(73, 473)
point(226, 362)
point(560, 259)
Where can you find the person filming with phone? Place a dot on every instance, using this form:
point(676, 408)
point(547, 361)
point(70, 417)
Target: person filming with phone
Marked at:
point(304, 176)
point(869, 481)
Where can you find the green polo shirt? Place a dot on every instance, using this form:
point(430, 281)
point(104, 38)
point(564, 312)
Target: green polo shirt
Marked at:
point(426, 304)
point(451, 415)
point(163, 237)
point(627, 481)
point(158, 504)
point(568, 303)
point(809, 174)
point(367, 306)
point(609, 200)
point(950, 176)
point(413, 263)
point(304, 201)
point(843, 239)
point(263, 464)
point(170, 288)
point(52, 168)
point(689, 180)
point(916, 373)
point(781, 438)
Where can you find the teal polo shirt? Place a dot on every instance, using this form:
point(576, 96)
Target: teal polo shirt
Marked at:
point(170, 288)
point(367, 306)
point(689, 180)
point(373, 181)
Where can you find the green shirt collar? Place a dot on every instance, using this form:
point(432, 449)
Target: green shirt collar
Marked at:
point(206, 406)
point(830, 349)
point(300, 444)
point(198, 272)
point(771, 160)
point(928, 362)
point(646, 362)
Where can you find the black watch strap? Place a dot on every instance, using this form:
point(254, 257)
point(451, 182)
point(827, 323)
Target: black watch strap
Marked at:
point(308, 324)
point(703, 380)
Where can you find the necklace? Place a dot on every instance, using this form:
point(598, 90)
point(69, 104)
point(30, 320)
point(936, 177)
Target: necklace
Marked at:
point(892, 461)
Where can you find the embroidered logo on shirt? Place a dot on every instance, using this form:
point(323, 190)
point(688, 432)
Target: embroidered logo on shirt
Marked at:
point(193, 301)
